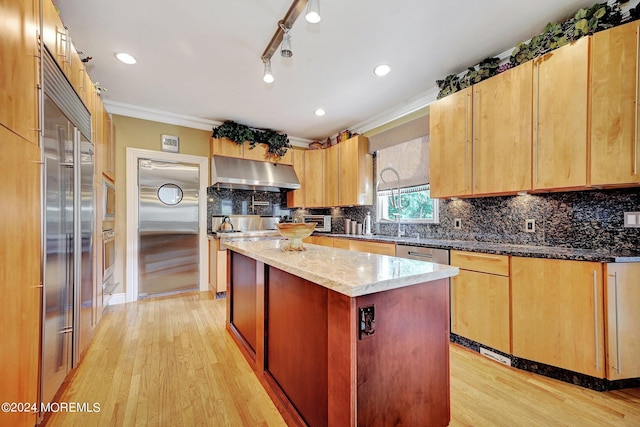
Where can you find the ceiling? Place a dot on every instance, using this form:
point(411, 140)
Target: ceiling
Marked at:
point(201, 58)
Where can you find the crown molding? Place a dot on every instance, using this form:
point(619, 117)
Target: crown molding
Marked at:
point(137, 112)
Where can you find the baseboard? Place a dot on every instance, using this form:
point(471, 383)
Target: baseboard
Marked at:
point(119, 298)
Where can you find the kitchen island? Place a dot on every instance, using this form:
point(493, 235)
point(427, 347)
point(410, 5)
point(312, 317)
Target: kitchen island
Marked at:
point(343, 338)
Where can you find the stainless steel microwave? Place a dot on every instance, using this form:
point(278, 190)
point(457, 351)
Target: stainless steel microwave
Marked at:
point(323, 222)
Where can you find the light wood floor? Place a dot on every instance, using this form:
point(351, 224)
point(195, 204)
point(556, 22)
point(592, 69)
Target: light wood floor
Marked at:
point(169, 362)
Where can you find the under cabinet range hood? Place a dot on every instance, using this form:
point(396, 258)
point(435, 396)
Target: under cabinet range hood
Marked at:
point(243, 174)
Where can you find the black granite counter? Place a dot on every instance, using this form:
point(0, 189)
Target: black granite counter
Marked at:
point(551, 252)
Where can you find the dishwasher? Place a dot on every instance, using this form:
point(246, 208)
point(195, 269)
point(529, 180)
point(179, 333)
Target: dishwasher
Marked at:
point(439, 256)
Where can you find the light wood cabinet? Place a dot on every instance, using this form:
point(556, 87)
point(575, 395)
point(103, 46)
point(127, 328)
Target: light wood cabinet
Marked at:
point(341, 243)
point(108, 144)
point(622, 299)
point(296, 198)
point(217, 267)
point(226, 147)
point(332, 182)
point(356, 172)
point(55, 36)
point(480, 299)
point(561, 87)
point(615, 151)
point(319, 240)
point(450, 145)
point(20, 284)
point(372, 247)
point(502, 122)
point(557, 313)
point(478, 128)
point(314, 178)
point(19, 68)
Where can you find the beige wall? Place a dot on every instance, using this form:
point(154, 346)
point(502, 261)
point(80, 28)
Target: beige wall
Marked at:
point(144, 134)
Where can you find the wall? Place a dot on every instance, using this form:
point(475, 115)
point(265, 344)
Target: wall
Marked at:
point(144, 134)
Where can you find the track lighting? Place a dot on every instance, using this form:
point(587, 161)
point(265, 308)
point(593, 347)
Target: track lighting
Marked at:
point(313, 12)
point(285, 50)
point(267, 77)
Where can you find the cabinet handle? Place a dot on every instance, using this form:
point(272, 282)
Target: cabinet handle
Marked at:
point(453, 302)
point(595, 316)
point(618, 368)
point(536, 120)
point(466, 144)
point(635, 135)
point(476, 110)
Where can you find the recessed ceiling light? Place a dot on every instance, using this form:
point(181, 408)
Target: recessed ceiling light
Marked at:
point(320, 112)
point(126, 58)
point(382, 70)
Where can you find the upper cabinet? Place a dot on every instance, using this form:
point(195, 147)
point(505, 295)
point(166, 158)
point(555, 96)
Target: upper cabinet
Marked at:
point(314, 178)
point(450, 145)
point(295, 198)
point(502, 121)
point(615, 155)
point(478, 128)
point(332, 176)
point(226, 147)
point(561, 80)
point(356, 172)
point(19, 68)
point(54, 34)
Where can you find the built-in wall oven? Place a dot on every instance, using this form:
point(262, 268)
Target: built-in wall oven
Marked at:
point(108, 241)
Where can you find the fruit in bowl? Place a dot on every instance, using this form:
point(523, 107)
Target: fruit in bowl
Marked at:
point(295, 232)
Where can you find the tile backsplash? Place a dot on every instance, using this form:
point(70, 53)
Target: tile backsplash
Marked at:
point(245, 202)
point(582, 219)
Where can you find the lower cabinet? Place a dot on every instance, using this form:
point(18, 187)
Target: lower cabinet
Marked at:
point(622, 299)
point(558, 317)
point(353, 245)
point(480, 299)
point(217, 267)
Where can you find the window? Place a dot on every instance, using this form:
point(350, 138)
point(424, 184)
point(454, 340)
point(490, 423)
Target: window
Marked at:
point(416, 205)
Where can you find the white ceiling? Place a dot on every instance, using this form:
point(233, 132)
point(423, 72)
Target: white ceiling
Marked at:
point(201, 58)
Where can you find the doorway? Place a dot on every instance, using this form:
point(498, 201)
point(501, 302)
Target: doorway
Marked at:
point(167, 227)
point(130, 247)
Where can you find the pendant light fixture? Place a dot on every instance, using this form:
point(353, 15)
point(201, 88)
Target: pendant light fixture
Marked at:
point(267, 77)
point(313, 12)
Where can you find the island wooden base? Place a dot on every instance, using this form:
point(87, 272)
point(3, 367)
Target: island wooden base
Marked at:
point(303, 341)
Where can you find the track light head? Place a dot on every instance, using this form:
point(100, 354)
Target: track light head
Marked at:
point(313, 12)
point(267, 77)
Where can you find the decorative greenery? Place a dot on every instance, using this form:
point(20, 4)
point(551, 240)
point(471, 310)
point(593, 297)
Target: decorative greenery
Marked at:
point(277, 143)
point(585, 21)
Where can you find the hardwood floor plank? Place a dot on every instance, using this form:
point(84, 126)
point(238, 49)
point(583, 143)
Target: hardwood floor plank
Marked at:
point(170, 362)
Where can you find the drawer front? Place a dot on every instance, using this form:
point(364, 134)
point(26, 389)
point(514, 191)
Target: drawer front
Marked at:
point(341, 243)
point(483, 263)
point(373, 247)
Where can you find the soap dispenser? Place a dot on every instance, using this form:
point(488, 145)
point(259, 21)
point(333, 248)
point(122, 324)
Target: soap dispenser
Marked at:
point(367, 224)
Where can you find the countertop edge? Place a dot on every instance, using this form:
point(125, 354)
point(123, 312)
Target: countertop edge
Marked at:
point(343, 287)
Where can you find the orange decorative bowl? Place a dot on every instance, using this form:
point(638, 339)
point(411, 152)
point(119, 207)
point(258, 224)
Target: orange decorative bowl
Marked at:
point(295, 232)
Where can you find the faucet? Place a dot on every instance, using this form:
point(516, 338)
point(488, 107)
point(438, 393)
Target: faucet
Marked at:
point(394, 202)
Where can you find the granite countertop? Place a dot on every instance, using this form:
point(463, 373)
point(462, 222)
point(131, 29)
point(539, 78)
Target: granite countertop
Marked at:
point(348, 272)
point(552, 252)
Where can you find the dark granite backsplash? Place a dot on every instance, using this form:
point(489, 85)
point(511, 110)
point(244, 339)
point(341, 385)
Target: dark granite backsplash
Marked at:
point(581, 219)
point(241, 202)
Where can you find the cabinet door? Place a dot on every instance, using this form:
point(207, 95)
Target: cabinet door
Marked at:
point(557, 315)
point(258, 152)
point(356, 172)
point(20, 286)
point(109, 146)
point(502, 113)
point(615, 151)
point(480, 308)
point(561, 80)
point(332, 184)
point(623, 320)
point(450, 147)
point(54, 34)
point(314, 178)
point(225, 147)
point(295, 198)
point(18, 68)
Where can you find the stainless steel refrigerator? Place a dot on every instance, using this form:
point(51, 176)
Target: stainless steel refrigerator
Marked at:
point(68, 219)
point(168, 227)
